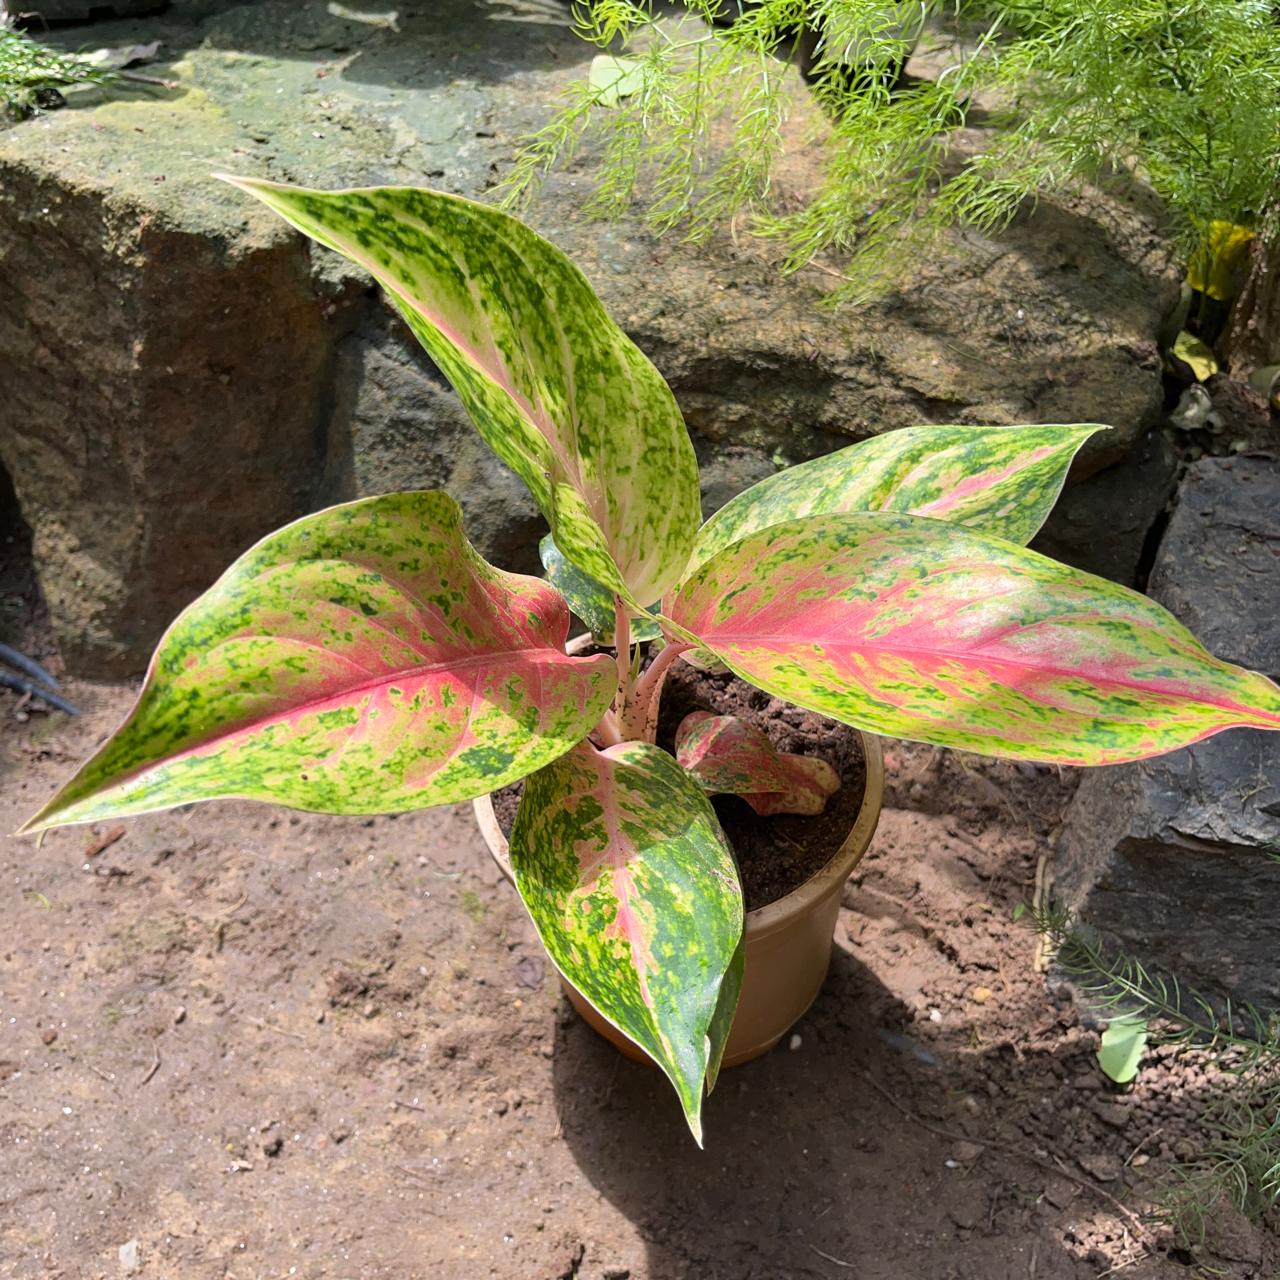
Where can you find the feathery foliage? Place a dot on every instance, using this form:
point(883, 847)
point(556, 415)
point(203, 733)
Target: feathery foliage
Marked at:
point(1242, 1162)
point(1183, 95)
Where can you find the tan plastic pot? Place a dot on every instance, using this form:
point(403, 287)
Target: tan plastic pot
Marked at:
point(788, 942)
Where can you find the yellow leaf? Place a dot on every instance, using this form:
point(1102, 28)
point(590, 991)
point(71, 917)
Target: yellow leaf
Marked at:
point(1195, 355)
point(1215, 268)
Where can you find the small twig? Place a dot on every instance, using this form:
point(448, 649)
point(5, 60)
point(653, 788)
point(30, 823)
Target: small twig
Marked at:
point(271, 1026)
point(1039, 897)
point(153, 1068)
point(1123, 1266)
point(1155, 1133)
point(1088, 1184)
point(408, 1106)
point(104, 842)
point(227, 911)
point(141, 78)
point(97, 1071)
point(840, 1262)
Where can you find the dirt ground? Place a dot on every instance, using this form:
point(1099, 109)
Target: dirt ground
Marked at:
point(242, 1044)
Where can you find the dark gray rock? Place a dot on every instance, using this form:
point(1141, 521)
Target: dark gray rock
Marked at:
point(1176, 859)
point(1219, 564)
point(161, 388)
point(1105, 523)
point(175, 372)
point(397, 425)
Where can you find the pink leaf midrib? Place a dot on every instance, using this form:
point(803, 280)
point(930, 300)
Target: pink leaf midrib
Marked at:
point(966, 655)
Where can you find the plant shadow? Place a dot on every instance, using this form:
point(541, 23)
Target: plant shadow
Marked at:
point(416, 46)
point(809, 1170)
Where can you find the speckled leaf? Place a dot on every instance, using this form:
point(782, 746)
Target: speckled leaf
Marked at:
point(1002, 480)
point(587, 598)
point(921, 629)
point(558, 391)
point(361, 660)
point(622, 864)
point(728, 756)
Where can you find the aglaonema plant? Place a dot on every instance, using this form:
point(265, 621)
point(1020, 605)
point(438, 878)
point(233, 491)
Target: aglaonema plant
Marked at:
point(366, 659)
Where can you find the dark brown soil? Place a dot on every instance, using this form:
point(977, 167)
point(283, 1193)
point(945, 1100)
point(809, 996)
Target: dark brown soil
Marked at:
point(272, 1046)
point(777, 854)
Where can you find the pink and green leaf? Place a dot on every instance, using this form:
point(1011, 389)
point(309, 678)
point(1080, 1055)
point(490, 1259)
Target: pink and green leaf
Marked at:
point(630, 881)
point(920, 629)
point(361, 660)
point(728, 756)
point(1001, 480)
point(557, 390)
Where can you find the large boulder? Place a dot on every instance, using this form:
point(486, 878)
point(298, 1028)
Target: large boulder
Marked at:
point(1177, 859)
point(1107, 523)
point(179, 373)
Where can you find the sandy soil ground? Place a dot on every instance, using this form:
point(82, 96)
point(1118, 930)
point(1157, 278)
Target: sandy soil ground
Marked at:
point(243, 1044)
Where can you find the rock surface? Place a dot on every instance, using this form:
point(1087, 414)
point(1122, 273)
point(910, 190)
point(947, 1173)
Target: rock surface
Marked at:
point(1106, 523)
point(179, 373)
point(1175, 859)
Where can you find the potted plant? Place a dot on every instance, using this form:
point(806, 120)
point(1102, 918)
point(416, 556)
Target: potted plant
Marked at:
point(365, 659)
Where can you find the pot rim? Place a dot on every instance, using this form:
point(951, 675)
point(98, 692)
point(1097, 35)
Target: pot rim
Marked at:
point(768, 919)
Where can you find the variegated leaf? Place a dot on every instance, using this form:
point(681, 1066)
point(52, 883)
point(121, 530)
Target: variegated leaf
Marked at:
point(591, 602)
point(361, 660)
point(630, 881)
point(558, 391)
point(1002, 480)
point(728, 756)
point(922, 629)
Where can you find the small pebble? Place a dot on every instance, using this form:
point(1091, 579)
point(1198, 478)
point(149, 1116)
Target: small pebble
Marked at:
point(128, 1255)
point(48, 1037)
point(179, 1015)
point(1103, 1166)
point(795, 1042)
point(981, 995)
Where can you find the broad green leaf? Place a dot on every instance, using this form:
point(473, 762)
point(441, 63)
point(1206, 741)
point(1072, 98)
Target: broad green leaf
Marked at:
point(361, 660)
point(587, 598)
point(1120, 1052)
point(921, 629)
point(630, 881)
point(1003, 480)
point(557, 390)
point(726, 1007)
point(728, 756)
point(615, 78)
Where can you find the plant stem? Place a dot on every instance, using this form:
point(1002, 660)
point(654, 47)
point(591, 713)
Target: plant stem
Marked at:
point(642, 719)
point(622, 646)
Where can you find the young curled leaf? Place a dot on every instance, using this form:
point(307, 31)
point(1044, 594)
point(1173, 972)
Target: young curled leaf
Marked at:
point(590, 601)
point(630, 882)
point(554, 386)
point(728, 756)
point(361, 660)
point(921, 629)
point(1002, 480)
